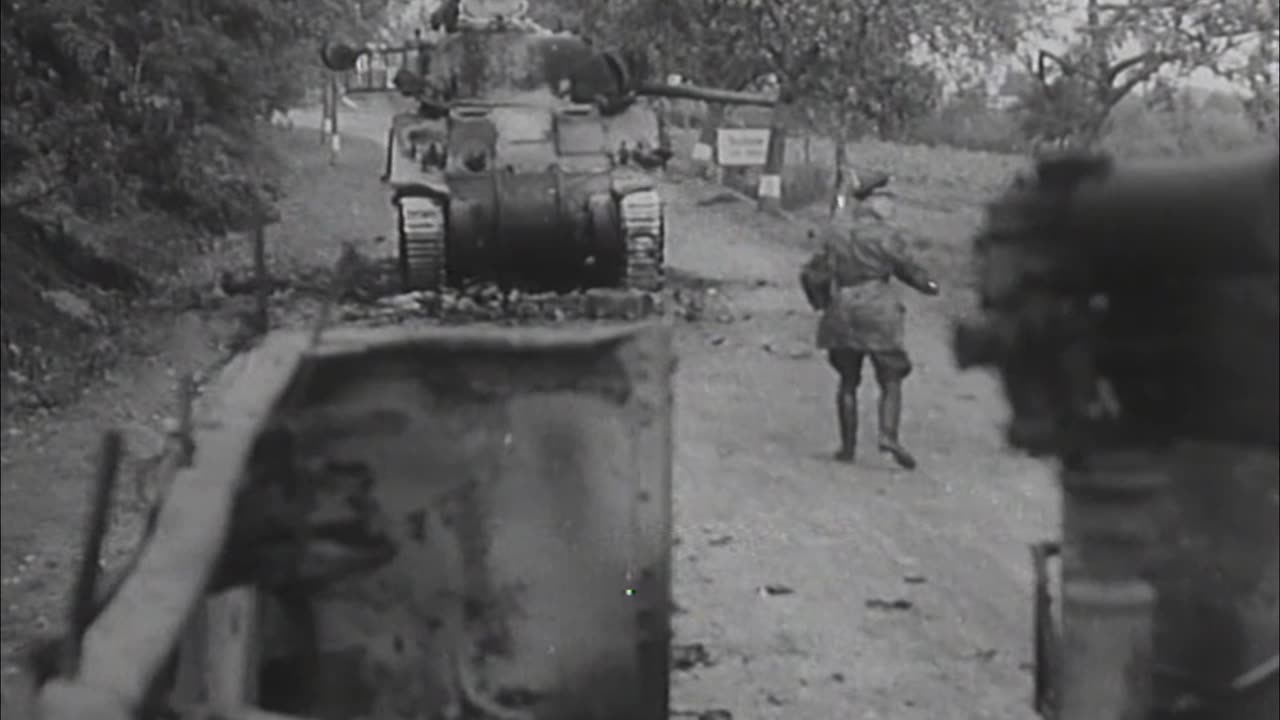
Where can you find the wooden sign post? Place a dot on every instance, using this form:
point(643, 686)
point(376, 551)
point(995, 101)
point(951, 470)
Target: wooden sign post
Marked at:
point(335, 140)
point(261, 280)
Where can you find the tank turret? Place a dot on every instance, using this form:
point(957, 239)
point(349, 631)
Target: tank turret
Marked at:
point(525, 159)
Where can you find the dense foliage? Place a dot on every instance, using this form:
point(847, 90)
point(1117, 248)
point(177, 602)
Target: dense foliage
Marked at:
point(111, 106)
point(130, 131)
point(872, 67)
point(864, 63)
point(1117, 48)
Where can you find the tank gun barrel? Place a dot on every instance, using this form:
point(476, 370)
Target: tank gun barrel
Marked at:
point(695, 92)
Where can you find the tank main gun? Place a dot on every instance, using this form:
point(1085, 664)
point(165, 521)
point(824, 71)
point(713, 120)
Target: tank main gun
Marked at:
point(705, 94)
point(563, 66)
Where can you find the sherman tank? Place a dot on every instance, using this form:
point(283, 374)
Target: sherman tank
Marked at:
point(527, 159)
point(1131, 311)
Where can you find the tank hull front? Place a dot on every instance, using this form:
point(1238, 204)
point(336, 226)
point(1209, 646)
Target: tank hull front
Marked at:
point(531, 229)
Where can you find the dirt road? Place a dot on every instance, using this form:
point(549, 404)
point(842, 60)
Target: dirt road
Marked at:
point(910, 589)
point(819, 591)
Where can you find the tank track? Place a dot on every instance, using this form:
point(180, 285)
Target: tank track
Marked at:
point(642, 227)
point(422, 243)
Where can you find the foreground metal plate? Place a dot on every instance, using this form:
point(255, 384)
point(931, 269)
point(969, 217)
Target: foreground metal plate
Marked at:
point(527, 478)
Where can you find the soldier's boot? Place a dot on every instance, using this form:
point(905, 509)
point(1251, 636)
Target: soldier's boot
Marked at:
point(890, 418)
point(847, 416)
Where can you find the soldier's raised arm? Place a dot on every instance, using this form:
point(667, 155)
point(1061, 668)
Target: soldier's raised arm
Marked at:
point(905, 266)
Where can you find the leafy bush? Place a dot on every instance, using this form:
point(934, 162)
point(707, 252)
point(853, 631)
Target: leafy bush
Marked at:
point(112, 106)
point(127, 129)
point(968, 120)
point(1187, 124)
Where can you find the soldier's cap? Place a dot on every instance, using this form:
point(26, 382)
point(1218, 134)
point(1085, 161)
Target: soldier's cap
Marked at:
point(873, 184)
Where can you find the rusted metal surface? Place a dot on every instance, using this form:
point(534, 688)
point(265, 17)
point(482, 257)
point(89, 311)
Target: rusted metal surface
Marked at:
point(1106, 601)
point(1132, 312)
point(1219, 531)
point(388, 524)
point(527, 480)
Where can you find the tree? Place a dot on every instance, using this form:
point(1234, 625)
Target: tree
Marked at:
point(864, 62)
point(877, 64)
point(1124, 45)
point(111, 105)
point(1259, 73)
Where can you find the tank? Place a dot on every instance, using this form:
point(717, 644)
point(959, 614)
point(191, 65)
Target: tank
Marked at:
point(1131, 310)
point(527, 160)
point(381, 523)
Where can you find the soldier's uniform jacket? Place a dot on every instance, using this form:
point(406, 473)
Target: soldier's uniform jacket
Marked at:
point(850, 280)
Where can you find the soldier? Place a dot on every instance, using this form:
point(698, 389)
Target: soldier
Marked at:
point(849, 280)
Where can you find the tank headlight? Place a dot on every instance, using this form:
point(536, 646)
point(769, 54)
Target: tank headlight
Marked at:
point(420, 216)
point(644, 242)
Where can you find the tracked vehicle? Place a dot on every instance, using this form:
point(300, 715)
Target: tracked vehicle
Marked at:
point(1132, 312)
point(527, 158)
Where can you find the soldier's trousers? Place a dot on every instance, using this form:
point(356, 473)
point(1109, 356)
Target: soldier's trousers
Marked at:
point(890, 366)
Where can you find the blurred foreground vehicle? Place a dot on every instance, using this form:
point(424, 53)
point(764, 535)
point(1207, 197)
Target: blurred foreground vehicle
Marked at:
point(1131, 311)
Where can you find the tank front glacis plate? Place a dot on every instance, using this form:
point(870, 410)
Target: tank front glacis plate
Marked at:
point(405, 161)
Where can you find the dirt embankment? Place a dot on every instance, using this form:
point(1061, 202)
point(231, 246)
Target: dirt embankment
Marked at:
point(48, 446)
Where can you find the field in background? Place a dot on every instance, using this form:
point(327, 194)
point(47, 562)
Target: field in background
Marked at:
point(941, 191)
point(940, 177)
point(967, 150)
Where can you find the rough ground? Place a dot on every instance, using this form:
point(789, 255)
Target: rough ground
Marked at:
point(817, 591)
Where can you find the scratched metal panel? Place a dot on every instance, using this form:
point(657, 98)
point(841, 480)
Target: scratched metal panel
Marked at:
point(526, 479)
point(1216, 574)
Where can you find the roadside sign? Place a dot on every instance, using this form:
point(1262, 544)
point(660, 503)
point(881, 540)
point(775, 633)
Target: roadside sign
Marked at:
point(375, 70)
point(742, 147)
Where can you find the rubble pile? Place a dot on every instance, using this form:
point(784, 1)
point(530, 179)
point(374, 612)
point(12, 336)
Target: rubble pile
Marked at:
point(490, 304)
point(365, 292)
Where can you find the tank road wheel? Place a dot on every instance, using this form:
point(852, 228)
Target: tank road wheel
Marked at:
point(642, 226)
point(422, 243)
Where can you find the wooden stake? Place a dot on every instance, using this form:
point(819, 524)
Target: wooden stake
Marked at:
point(769, 193)
point(262, 283)
point(85, 590)
point(324, 113)
point(335, 140)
